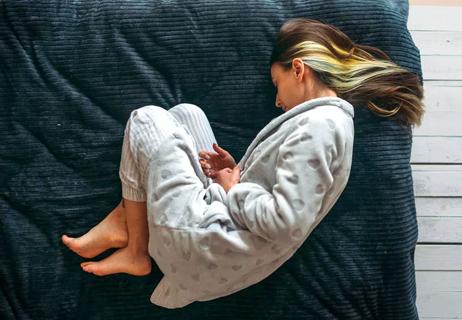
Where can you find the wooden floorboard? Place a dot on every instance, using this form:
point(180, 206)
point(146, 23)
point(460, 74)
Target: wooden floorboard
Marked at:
point(436, 27)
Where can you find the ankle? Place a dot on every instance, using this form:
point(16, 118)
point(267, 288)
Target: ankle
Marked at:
point(137, 249)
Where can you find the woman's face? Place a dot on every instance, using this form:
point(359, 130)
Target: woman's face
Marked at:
point(289, 85)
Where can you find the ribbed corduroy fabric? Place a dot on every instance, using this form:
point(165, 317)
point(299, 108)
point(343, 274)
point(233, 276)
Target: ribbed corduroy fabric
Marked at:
point(71, 73)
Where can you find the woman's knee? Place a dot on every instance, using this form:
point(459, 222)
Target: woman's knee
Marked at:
point(148, 113)
point(151, 123)
point(187, 111)
point(152, 115)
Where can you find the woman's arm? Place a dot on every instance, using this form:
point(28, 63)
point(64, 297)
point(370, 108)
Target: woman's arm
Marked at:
point(304, 178)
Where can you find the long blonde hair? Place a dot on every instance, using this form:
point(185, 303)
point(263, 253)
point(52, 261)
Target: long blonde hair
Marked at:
point(362, 75)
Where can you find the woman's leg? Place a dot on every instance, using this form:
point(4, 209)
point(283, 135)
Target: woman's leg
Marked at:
point(196, 123)
point(146, 129)
point(134, 258)
point(109, 233)
point(112, 231)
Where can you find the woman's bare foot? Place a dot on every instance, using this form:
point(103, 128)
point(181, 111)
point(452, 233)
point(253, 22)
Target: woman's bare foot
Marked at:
point(122, 261)
point(109, 233)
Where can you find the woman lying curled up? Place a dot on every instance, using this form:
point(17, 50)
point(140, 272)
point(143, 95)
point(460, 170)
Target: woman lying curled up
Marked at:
point(215, 227)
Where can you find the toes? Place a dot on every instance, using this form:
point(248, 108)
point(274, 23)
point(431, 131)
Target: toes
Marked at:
point(88, 267)
point(66, 240)
point(93, 267)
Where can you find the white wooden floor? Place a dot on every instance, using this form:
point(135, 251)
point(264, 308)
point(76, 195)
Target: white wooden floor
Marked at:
point(437, 160)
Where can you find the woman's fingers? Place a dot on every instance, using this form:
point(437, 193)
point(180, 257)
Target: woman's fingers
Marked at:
point(210, 160)
point(204, 164)
point(209, 172)
point(204, 154)
point(221, 152)
point(212, 174)
point(216, 147)
point(215, 160)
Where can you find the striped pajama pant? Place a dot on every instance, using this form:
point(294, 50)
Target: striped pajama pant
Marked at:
point(148, 131)
point(146, 128)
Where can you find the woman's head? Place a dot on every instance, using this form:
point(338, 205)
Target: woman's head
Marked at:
point(359, 74)
point(296, 84)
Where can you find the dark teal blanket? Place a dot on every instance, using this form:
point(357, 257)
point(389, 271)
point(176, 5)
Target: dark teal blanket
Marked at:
point(72, 71)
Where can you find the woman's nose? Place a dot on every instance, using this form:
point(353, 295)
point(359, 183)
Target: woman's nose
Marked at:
point(278, 102)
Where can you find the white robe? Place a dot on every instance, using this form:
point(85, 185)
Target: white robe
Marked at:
point(209, 244)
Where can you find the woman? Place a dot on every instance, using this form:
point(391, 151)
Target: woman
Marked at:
point(214, 227)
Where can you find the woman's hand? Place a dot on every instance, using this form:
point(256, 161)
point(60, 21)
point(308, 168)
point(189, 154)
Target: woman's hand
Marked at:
point(228, 177)
point(212, 162)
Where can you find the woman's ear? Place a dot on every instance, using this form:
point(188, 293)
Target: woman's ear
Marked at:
point(298, 68)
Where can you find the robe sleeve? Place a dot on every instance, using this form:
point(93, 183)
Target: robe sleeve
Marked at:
point(303, 177)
